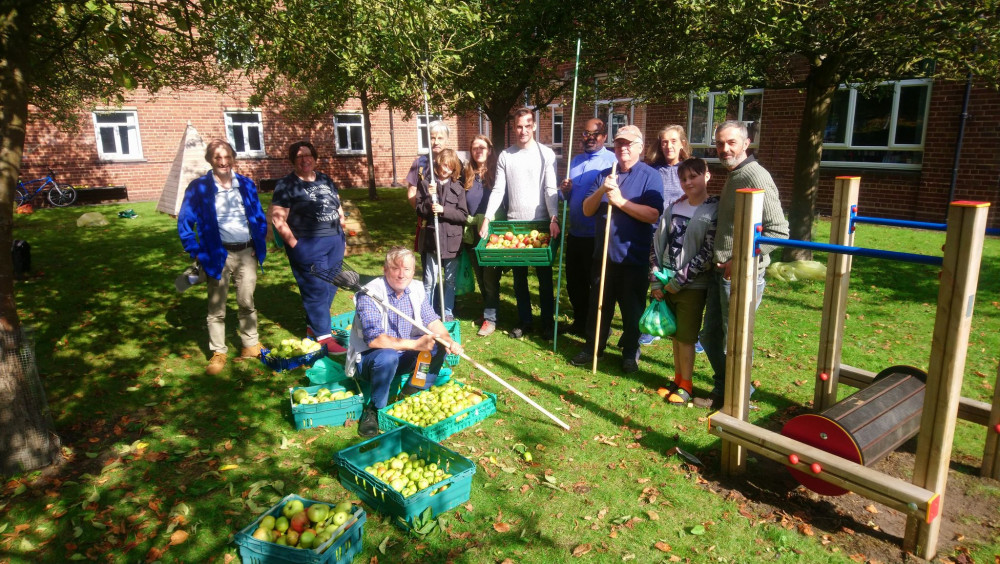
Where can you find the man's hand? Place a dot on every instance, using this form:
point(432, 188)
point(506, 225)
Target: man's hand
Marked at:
point(455, 348)
point(725, 268)
point(424, 343)
point(553, 229)
point(566, 186)
point(657, 294)
point(615, 197)
point(484, 230)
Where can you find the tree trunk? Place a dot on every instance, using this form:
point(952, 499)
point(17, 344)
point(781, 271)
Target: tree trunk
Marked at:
point(26, 438)
point(821, 84)
point(369, 155)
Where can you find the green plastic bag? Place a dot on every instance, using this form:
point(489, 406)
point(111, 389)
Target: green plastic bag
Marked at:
point(658, 320)
point(326, 371)
point(465, 278)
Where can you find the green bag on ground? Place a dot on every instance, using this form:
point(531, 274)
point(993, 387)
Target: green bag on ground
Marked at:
point(465, 278)
point(326, 371)
point(797, 270)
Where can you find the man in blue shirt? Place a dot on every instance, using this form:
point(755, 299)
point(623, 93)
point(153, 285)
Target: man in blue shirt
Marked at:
point(634, 198)
point(583, 172)
point(384, 346)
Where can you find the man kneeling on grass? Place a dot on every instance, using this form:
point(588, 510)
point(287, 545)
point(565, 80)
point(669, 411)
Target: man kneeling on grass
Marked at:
point(384, 346)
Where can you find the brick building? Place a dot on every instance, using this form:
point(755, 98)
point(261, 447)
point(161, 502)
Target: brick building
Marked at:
point(901, 141)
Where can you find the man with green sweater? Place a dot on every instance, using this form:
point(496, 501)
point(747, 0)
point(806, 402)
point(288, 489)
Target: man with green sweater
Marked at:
point(731, 144)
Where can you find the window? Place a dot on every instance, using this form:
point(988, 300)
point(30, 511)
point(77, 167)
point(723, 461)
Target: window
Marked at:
point(616, 114)
point(557, 126)
point(884, 128)
point(245, 133)
point(117, 135)
point(708, 111)
point(350, 133)
point(422, 132)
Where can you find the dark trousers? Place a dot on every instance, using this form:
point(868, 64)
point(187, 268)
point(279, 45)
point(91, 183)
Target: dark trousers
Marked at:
point(523, 296)
point(579, 256)
point(380, 372)
point(488, 278)
point(326, 254)
point(627, 286)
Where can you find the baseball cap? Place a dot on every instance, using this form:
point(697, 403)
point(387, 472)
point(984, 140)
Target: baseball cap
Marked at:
point(629, 132)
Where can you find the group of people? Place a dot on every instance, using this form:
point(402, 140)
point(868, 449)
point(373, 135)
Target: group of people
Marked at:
point(667, 239)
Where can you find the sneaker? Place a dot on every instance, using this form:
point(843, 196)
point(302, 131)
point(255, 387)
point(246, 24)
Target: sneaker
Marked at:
point(368, 425)
point(713, 401)
point(518, 332)
point(698, 348)
point(487, 328)
point(630, 365)
point(333, 348)
point(584, 358)
point(647, 339)
point(216, 364)
point(252, 351)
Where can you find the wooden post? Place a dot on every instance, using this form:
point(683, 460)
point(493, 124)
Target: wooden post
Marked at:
point(991, 454)
point(963, 251)
point(739, 338)
point(838, 277)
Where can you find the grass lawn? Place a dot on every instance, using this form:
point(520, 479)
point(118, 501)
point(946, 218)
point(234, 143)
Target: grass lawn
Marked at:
point(161, 462)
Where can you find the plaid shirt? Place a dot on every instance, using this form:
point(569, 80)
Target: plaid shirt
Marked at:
point(371, 315)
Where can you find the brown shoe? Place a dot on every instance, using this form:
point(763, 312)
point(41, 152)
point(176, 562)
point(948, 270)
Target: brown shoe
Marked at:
point(216, 364)
point(253, 351)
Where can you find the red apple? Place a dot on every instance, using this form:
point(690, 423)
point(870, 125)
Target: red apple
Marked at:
point(300, 521)
point(509, 236)
point(494, 238)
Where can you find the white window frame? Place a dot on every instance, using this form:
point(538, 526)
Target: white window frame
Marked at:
point(710, 126)
point(422, 147)
point(557, 112)
point(337, 124)
point(247, 152)
point(893, 117)
point(131, 126)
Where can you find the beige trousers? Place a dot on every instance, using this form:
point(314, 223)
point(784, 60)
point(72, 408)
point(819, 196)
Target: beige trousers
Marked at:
point(241, 268)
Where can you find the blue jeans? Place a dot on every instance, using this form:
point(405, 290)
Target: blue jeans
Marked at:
point(431, 281)
point(326, 254)
point(522, 295)
point(716, 329)
point(381, 371)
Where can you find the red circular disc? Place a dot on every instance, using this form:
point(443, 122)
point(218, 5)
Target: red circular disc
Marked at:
point(811, 430)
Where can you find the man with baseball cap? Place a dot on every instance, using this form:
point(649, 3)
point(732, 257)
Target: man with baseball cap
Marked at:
point(634, 198)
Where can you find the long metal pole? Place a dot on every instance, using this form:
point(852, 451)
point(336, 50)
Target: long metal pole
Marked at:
point(604, 270)
point(562, 225)
point(482, 368)
point(434, 200)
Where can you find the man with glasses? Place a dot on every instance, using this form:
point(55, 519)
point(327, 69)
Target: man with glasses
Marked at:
point(634, 198)
point(583, 173)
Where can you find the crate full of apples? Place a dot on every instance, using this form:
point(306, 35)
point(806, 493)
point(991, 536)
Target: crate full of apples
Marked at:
point(303, 531)
point(517, 243)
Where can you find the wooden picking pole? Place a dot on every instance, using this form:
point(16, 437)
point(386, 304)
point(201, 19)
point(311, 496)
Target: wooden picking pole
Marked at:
point(838, 277)
point(604, 270)
point(963, 251)
point(739, 339)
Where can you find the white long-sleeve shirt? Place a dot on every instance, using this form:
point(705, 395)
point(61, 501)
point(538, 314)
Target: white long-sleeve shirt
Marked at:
point(527, 177)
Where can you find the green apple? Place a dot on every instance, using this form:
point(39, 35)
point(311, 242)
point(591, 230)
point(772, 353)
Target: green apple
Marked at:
point(291, 508)
point(343, 507)
point(267, 522)
point(339, 518)
point(318, 512)
point(281, 524)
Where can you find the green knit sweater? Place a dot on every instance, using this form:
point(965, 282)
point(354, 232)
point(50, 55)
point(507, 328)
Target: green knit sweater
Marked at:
point(749, 174)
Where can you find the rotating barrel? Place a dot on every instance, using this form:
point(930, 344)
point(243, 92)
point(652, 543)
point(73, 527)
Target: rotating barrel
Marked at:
point(865, 426)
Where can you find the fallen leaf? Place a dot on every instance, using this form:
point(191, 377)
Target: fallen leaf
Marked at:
point(582, 549)
point(662, 546)
point(653, 516)
point(177, 537)
point(228, 467)
point(806, 529)
point(501, 527)
point(870, 508)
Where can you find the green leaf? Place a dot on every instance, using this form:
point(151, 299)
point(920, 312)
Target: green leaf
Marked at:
point(384, 545)
point(20, 489)
point(697, 530)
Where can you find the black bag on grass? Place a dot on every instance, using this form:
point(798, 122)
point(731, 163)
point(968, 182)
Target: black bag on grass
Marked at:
point(20, 253)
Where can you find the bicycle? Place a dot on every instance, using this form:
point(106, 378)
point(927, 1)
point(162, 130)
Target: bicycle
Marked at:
point(59, 196)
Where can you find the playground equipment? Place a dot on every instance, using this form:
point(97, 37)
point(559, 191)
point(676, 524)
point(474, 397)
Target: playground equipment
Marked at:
point(920, 500)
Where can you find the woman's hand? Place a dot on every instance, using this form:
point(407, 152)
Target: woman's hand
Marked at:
point(438, 209)
point(657, 294)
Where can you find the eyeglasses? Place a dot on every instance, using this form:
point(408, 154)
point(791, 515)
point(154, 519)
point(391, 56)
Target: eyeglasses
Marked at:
point(587, 134)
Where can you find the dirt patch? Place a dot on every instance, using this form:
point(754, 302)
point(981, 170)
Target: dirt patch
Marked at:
point(864, 530)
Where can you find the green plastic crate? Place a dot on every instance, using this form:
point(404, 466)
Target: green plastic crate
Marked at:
point(340, 323)
point(543, 256)
point(446, 427)
point(339, 550)
point(330, 413)
point(352, 461)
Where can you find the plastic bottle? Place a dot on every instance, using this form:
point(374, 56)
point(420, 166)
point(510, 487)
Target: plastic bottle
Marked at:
point(423, 368)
